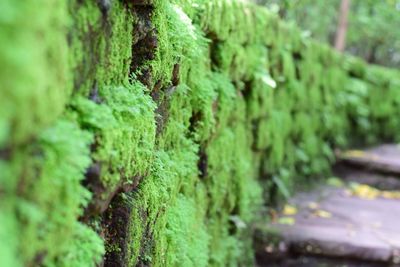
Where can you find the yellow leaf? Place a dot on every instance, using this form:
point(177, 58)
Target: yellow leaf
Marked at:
point(289, 210)
point(323, 214)
point(354, 153)
point(313, 205)
point(287, 220)
point(360, 154)
point(390, 194)
point(334, 181)
point(368, 192)
point(364, 191)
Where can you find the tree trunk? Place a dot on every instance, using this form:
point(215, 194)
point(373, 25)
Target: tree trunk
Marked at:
point(340, 40)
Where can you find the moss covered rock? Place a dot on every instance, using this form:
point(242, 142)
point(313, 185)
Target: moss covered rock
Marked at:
point(154, 133)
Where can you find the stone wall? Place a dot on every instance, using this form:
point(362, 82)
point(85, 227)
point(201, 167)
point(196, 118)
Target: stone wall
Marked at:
point(141, 133)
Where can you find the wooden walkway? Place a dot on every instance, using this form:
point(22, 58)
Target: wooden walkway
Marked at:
point(356, 218)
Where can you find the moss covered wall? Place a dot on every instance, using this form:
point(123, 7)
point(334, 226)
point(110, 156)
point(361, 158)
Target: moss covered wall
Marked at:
point(152, 133)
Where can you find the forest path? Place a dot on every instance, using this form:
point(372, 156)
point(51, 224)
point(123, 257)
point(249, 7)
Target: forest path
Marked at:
point(351, 221)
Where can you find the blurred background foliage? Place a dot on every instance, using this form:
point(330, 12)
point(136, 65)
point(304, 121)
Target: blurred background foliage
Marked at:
point(373, 31)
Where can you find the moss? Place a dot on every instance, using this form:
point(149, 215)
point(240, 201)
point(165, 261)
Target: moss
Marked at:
point(85, 249)
point(34, 76)
point(231, 180)
point(185, 228)
point(47, 219)
point(124, 126)
point(155, 196)
point(233, 105)
point(8, 230)
point(177, 38)
point(100, 44)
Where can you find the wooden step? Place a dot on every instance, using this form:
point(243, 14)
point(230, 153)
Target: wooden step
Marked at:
point(384, 158)
point(331, 223)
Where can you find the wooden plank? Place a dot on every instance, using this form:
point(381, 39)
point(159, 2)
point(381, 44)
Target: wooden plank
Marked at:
point(356, 228)
point(385, 158)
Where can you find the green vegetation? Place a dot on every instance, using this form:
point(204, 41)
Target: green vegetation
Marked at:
point(373, 26)
point(154, 134)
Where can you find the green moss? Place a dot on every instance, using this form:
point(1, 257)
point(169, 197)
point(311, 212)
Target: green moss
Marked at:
point(124, 128)
point(231, 180)
point(50, 195)
point(178, 41)
point(239, 106)
point(186, 229)
point(8, 230)
point(100, 50)
point(34, 77)
point(85, 249)
point(156, 194)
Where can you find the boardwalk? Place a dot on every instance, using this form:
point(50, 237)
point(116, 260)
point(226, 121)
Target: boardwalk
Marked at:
point(357, 217)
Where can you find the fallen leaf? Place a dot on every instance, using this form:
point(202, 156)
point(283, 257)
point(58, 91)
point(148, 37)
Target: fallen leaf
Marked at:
point(354, 153)
point(360, 154)
point(323, 214)
point(364, 191)
point(313, 205)
point(368, 192)
point(239, 223)
point(334, 181)
point(391, 194)
point(287, 220)
point(289, 210)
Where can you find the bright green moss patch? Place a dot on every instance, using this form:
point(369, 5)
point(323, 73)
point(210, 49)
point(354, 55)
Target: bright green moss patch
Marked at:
point(156, 194)
point(49, 197)
point(234, 110)
point(100, 43)
point(8, 233)
point(124, 127)
point(185, 228)
point(33, 58)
